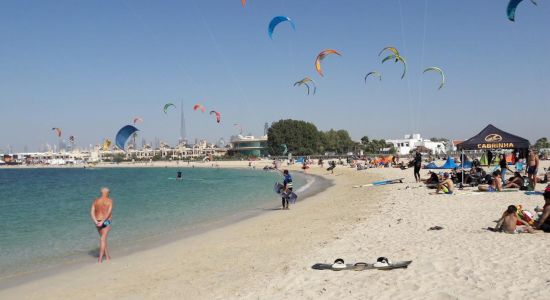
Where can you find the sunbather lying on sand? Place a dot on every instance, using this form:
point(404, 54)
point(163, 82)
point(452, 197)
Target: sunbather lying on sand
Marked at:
point(508, 222)
point(515, 182)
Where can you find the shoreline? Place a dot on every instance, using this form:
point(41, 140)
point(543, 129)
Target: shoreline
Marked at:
point(270, 256)
point(314, 185)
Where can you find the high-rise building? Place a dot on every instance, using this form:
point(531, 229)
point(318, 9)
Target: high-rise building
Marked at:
point(183, 134)
point(266, 128)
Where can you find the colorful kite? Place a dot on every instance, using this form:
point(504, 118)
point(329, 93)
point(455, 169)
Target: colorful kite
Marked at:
point(137, 119)
point(57, 131)
point(512, 6)
point(322, 56)
point(168, 105)
point(436, 69)
point(218, 115)
point(276, 21)
point(397, 58)
point(373, 73)
point(198, 107)
point(306, 81)
point(392, 49)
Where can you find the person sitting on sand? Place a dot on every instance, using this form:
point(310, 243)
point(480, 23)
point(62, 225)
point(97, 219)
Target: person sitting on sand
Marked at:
point(102, 216)
point(515, 181)
point(446, 186)
point(544, 220)
point(508, 222)
point(433, 180)
point(494, 186)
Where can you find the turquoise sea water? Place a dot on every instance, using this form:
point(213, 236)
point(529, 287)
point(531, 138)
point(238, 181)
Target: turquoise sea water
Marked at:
point(45, 220)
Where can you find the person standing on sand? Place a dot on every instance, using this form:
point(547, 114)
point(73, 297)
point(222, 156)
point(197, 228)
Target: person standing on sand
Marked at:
point(101, 214)
point(503, 164)
point(533, 167)
point(287, 188)
point(417, 165)
point(489, 158)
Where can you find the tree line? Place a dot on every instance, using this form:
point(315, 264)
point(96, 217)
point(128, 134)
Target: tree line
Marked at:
point(303, 138)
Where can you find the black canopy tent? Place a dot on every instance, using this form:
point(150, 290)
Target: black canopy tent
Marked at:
point(494, 138)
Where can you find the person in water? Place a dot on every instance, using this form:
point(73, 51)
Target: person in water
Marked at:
point(101, 214)
point(179, 175)
point(287, 188)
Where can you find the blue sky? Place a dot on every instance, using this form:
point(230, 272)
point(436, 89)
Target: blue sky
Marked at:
point(89, 67)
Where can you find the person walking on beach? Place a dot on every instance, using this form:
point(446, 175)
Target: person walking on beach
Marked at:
point(417, 165)
point(532, 167)
point(287, 188)
point(101, 214)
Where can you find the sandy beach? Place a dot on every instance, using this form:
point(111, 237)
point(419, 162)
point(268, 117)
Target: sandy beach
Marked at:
point(270, 256)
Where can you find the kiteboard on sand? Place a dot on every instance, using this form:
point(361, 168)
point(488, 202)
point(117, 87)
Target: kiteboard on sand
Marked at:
point(383, 182)
point(339, 265)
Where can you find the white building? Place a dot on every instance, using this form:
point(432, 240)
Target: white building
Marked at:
point(410, 142)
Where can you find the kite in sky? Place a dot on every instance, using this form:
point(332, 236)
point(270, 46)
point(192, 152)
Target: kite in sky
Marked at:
point(307, 81)
point(397, 58)
point(373, 73)
point(57, 131)
point(198, 107)
point(123, 135)
point(276, 21)
point(218, 116)
point(168, 105)
point(438, 70)
point(322, 56)
point(137, 119)
point(512, 6)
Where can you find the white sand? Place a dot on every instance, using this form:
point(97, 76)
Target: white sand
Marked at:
point(270, 256)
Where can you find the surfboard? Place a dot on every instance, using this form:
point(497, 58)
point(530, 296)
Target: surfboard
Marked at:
point(363, 266)
point(277, 188)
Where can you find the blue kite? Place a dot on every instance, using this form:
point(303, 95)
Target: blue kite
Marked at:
point(123, 135)
point(276, 21)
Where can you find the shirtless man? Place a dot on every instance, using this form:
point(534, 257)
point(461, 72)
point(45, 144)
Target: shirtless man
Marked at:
point(446, 186)
point(101, 214)
point(495, 186)
point(508, 222)
point(533, 167)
